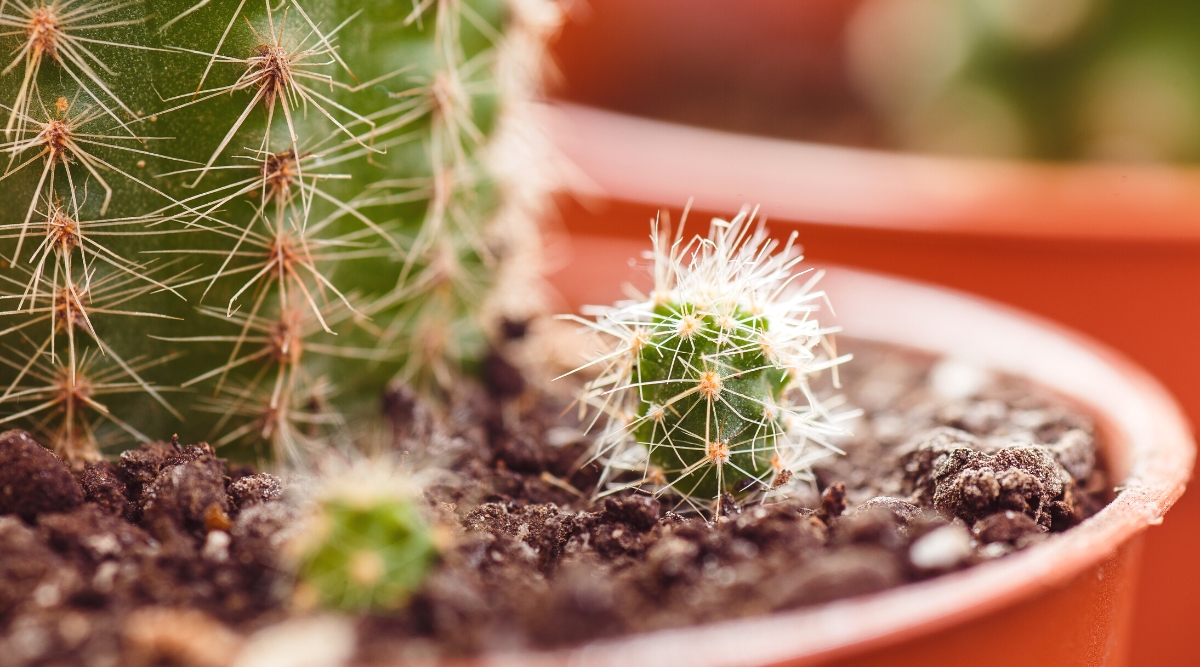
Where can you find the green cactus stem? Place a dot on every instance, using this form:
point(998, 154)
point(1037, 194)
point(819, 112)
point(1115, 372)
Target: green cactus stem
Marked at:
point(705, 383)
point(262, 211)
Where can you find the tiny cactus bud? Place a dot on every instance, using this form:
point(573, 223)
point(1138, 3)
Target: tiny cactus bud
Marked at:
point(365, 545)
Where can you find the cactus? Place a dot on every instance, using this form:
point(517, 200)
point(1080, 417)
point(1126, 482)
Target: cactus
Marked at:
point(364, 544)
point(705, 381)
point(260, 210)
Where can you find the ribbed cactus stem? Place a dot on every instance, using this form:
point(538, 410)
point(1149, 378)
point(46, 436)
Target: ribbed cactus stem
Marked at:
point(709, 396)
point(706, 379)
point(251, 209)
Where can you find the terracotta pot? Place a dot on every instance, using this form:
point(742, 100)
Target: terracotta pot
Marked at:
point(1065, 601)
point(1111, 250)
point(767, 66)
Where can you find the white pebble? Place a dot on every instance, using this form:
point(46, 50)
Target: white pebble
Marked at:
point(954, 380)
point(47, 595)
point(323, 641)
point(942, 549)
point(105, 574)
point(103, 545)
point(216, 546)
point(994, 550)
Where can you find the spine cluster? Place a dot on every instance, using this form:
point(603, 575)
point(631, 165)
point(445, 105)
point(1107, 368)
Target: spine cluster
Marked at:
point(704, 382)
point(258, 210)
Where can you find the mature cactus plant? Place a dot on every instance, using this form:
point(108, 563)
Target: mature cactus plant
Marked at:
point(263, 210)
point(705, 382)
point(365, 544)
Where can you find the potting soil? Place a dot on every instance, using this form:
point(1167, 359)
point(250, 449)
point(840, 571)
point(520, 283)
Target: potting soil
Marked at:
point(170, 555)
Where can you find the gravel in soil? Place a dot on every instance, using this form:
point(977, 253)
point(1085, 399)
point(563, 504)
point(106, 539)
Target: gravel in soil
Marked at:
point(168, 555)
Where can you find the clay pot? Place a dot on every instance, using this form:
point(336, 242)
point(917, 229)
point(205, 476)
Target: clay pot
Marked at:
point(769, 66)
point(1110, 250)
point(1065, 601)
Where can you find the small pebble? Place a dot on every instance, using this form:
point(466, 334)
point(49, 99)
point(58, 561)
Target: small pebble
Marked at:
point(323, 641)
point(941, 549)
point(216, 546)
point(954, 379)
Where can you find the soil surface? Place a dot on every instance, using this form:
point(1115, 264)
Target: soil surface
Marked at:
point(169, 555)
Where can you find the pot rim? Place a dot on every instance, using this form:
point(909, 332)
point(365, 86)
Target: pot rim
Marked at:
point(1146, 437)
point(654, 162)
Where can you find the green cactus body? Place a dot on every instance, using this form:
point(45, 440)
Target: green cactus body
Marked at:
point(370, 555)
point(707, 397)
point(276, 207)
point(705, 383)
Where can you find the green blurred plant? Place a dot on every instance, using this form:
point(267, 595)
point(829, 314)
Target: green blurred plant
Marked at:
point(363, 550)
point(364, 544)
point(1108, 79)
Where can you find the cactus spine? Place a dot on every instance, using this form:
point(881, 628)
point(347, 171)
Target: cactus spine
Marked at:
point(705, 382)
point(275, 206)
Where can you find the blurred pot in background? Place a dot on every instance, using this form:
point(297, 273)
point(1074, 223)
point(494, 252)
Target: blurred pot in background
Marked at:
point(772, 67)
point(1071, 79)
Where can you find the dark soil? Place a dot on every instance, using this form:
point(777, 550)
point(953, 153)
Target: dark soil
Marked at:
point(169, 556)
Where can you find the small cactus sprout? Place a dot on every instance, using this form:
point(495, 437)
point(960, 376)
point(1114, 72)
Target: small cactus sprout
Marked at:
point(705, 382)
point(365, 544)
